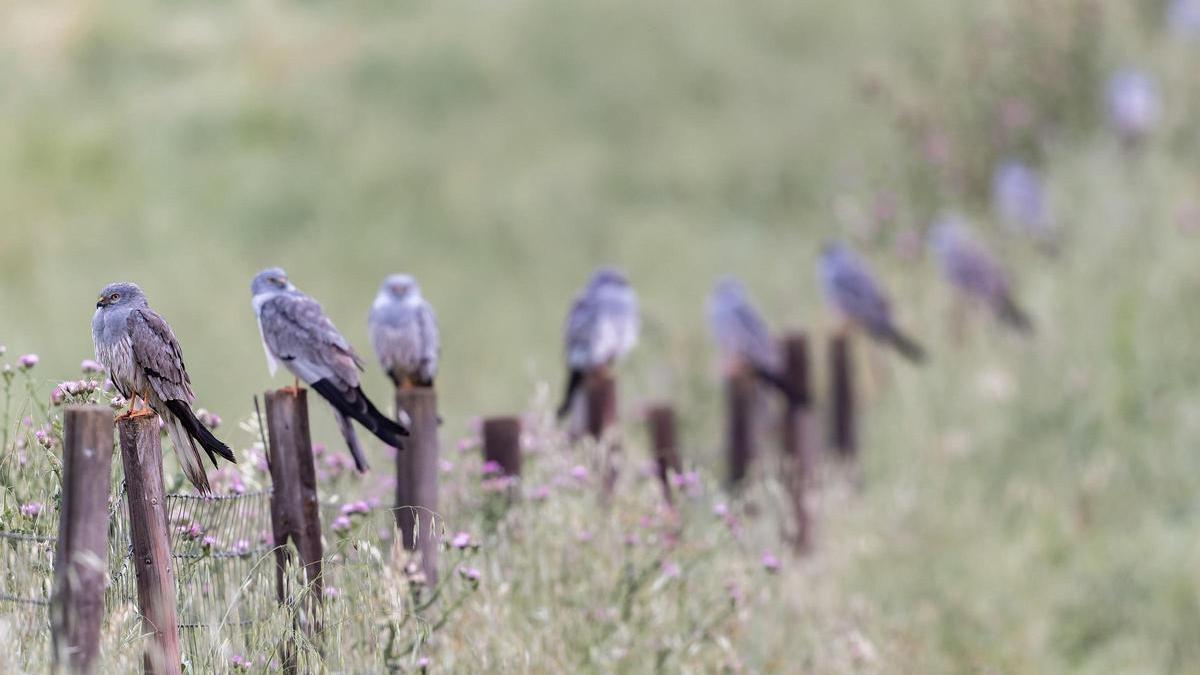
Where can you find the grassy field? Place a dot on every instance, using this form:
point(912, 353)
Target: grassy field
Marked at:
point(1025, 505)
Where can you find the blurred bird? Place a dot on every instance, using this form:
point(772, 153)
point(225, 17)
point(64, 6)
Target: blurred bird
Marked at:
point(404, 332)
point(1019, 201)
point(743, 337)
point(143, 359)
point(852, 291)
point(1133, 104)
point(975, 272)
point(602, 327)
point(1183, 17)
point(296, 331)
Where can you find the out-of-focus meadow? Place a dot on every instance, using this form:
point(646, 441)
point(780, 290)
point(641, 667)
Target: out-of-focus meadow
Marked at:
point(1026, 505)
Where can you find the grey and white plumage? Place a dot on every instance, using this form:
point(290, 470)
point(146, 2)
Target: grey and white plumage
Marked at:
point(404, 332)
point(602, 327)
point(143, 359)
point(851, 289)
point(296, 332)
point(742, 336)
point(1133, 104)
point(974, 271)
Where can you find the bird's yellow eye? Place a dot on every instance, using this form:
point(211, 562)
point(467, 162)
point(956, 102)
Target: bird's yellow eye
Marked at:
point(114, 297)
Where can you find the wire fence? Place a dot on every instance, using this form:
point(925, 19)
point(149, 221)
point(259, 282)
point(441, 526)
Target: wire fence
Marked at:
point(221, 548)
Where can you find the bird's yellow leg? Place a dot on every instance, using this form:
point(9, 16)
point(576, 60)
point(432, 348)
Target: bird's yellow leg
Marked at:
point(143, 412)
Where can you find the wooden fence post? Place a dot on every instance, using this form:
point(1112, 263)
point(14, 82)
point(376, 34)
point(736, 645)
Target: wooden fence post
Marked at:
point(502, 443)
point(141, 452)
point(295, 507)
point(81, 557)
point(417, 478)
point(660, 419)
point(600, 402)
point(799, 459)
point(741, 394)
point(843, 433)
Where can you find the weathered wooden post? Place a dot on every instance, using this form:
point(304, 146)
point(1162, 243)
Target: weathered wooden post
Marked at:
point(141, 452)
point(417, 478)
point(798, 460)
point(81, 557)
point(660, 420)
point(741, 393)
point(502, 443)
point(843, 434)
point(295, 513)
point(600, 402)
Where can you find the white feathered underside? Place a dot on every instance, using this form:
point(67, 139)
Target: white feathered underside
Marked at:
point(272, 364)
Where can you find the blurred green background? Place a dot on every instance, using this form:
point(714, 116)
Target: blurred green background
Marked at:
point(1031, 505)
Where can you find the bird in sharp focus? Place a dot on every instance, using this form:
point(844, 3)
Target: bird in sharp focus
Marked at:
point(602, 327)
point(404, 332)
point(296, 332)
point(144, 361)
point(851, 290)
point(974, 272)
point(743, 338)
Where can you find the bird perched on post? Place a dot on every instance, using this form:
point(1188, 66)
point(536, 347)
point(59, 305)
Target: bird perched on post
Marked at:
point(602, 327)
point(743, 337)
point(143, 359)
point(404, 332)
point(296, 331)
point(974, 272)
point(852, 291)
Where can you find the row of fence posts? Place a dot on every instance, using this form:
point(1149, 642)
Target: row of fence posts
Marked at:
point(81, 558)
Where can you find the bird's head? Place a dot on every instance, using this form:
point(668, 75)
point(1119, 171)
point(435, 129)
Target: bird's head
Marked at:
point(120, 294)
point(271, 280)
point(400, 287)
point(944, 232)
point(729, 287)
point(608, 276)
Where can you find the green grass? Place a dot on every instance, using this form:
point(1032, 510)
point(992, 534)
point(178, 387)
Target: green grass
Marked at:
point(1026, 506)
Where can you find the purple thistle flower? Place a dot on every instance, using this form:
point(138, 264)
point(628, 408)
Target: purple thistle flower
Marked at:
point(340, 524)
point(31, 510)
point(579, 473)
point(331, 592)
point(461, 540)
point(28, 361)
point(471, 573)
point(445, 466)
point(491, 468)
point(770, 563)
point(88, 366)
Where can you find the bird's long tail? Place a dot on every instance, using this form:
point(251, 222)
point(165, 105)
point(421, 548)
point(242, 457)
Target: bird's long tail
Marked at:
point(778, 381)
point(188, 454)
point(1010, 313)
point(356, 405)
point(903, 344)
point(356, 451)
point(574, 379)
point(196, 429)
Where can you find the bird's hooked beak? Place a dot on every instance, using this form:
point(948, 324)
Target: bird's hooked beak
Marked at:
point(100, 302)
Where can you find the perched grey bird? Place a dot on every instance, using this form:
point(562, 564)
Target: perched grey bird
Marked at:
point(602, 327)
point(1019, 201)
point(743, 337)
point(1133, 104)
point(143, 359)
point(296, 331)
point(850, 288)
point(404, 332)
point(973, 271)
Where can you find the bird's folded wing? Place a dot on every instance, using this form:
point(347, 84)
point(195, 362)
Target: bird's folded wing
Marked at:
point(157, 353)
point(297, 330)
